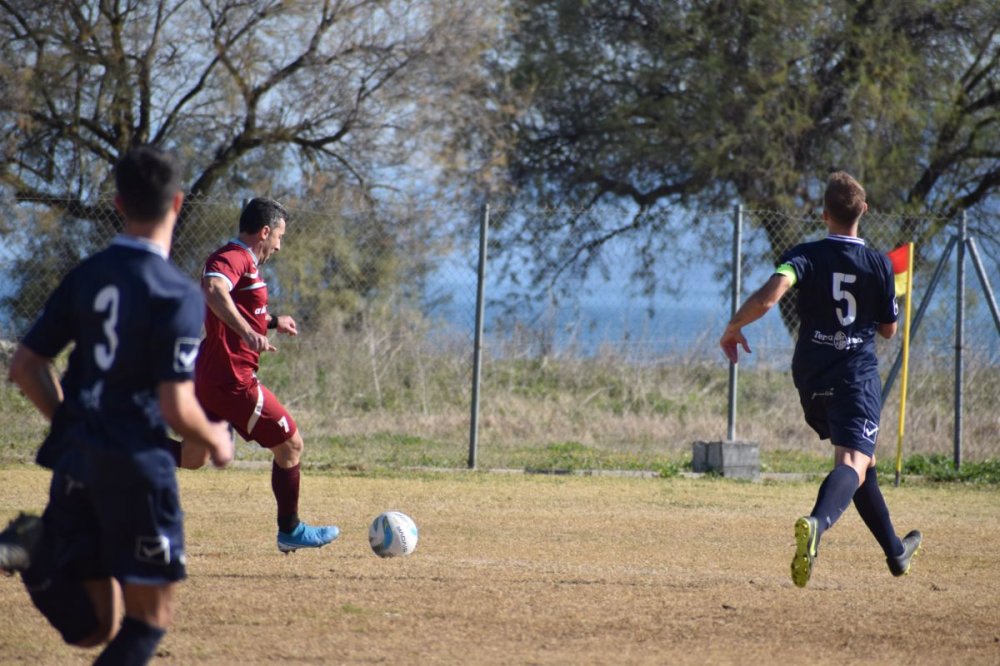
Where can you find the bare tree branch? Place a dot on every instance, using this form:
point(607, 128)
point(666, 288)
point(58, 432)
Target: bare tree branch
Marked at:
point(232, 85)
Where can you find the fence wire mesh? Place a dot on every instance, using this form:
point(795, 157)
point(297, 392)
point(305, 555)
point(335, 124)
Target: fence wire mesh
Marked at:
point(601, 329)
point(929, 425)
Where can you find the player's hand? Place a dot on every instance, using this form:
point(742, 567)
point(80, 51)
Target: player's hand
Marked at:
point(731, 341)
point(222, 446)
point(257, 342)
point(287, 325)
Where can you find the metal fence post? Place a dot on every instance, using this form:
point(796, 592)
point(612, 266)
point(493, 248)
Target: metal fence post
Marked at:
point(734, 305)
point(477, 353)
point(959, 334)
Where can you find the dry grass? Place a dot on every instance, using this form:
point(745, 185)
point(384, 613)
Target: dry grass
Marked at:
point(387, 396)
point(516, 569)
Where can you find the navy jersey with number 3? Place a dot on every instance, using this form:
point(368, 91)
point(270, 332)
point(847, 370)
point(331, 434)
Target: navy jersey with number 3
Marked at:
point(845, 290)
point(136, 321)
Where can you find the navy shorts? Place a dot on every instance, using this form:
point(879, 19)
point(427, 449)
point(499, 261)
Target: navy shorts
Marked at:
point(845, 413)
point(110, 514)
point(140, 522)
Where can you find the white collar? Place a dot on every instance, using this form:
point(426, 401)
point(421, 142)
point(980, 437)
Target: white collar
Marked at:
point(137, 243)
point(846, 239)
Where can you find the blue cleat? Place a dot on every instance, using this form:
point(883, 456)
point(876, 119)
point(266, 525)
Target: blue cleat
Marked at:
point(307, 536)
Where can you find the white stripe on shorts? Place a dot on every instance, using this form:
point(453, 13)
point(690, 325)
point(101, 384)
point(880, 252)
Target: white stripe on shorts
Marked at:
point(258, 408)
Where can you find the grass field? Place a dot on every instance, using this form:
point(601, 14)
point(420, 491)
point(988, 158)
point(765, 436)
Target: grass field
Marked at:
point(540, 569)
point(365, 408)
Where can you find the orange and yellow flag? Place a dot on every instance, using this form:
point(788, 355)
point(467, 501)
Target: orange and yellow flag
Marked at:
point(900, 258)
point(902, 266)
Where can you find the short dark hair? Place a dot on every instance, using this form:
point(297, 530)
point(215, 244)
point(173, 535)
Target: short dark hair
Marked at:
point(261, 212)
point(844, 198)
point(147, 179)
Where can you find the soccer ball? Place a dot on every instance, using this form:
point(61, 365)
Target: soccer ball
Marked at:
point(393, 534)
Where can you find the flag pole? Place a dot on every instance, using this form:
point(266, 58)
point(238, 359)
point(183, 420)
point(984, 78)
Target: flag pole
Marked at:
point(906, 361)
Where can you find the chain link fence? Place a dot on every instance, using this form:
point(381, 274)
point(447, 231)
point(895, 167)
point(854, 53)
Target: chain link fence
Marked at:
point(931, 394)
point(600, 345)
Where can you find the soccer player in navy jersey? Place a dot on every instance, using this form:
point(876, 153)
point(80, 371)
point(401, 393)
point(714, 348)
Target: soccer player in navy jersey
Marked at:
point(113, 525)
point(846, 294)
point(236, 325)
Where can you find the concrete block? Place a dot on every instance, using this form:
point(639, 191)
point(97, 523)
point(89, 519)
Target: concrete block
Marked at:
point(731, 459)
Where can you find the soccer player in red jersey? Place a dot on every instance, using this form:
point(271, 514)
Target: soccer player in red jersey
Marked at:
point(236, 326)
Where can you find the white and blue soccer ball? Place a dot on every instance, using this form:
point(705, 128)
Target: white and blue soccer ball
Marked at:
point(393, 534)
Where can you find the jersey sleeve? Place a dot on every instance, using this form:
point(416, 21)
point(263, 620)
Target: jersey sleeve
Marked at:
point(226, 265)
point(54, 328)
point(888, 307)
point(794, 261)
point(178, 334)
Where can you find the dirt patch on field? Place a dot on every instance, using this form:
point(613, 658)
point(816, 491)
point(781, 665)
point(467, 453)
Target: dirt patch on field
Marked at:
point(515, 569)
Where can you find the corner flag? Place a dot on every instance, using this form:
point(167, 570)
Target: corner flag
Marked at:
point(900, 258)
point(902, 266)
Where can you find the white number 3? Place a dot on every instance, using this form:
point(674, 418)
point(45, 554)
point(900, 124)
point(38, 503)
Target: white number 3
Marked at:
point(106, 301)
point(841, 294)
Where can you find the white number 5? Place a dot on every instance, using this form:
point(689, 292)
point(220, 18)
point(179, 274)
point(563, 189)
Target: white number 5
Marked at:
point(841, 294)
point(107, 301)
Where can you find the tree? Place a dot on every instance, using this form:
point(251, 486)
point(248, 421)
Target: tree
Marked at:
point(247, 92)
point(328, 100)
point(703, 104)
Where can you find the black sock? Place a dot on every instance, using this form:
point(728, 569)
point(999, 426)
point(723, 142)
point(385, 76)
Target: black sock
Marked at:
point(870, 503)
point(834, 496)
point(135, 644)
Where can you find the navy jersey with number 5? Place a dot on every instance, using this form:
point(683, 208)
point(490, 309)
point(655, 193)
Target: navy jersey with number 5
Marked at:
point(136, 321)
point(845, 290)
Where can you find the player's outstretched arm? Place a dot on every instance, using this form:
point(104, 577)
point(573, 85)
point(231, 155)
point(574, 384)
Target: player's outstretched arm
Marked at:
point(732, 339)
point(755, 307)
point(184, 414)
point(36, 378)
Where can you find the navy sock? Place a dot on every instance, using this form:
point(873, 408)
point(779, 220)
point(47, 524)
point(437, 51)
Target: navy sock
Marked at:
point(135, 644)
point(834, 496)
point(870, 503)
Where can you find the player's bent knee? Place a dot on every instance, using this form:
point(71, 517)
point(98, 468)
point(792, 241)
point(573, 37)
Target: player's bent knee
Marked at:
point(68, 608)
point(862, 475)
point(289, 452)
point(104, 634)
point(151, 604)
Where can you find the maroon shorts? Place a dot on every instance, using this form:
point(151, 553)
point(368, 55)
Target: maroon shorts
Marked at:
point(253, 411)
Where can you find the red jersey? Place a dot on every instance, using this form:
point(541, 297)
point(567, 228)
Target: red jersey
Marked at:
point(225, 360)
